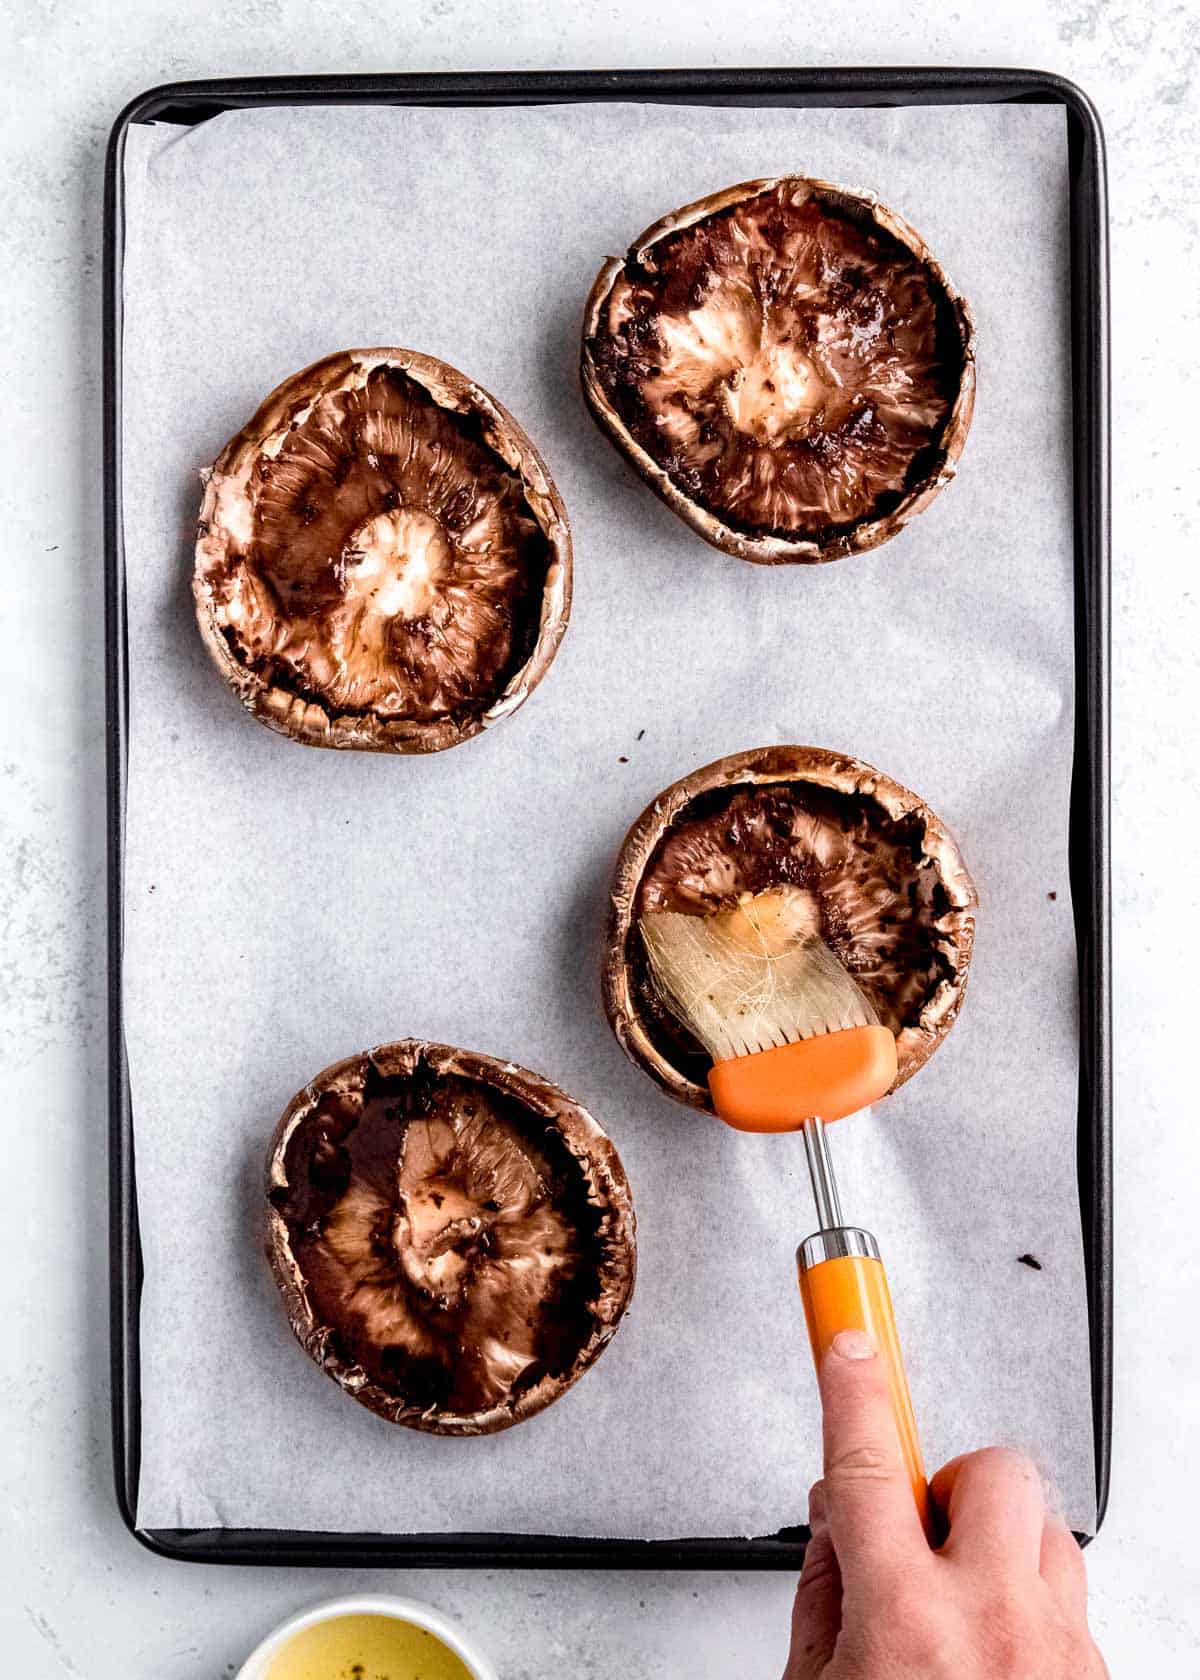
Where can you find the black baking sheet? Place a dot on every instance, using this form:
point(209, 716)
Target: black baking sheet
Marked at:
point(189, 103)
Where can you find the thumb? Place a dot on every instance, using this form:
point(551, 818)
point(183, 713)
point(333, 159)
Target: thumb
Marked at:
point(872, 1517)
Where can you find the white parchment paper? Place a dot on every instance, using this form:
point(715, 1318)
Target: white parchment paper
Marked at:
point(287, 906)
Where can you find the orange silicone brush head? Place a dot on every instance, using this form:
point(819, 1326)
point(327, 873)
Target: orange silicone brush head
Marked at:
point(791, 1034)
point(832, 1075)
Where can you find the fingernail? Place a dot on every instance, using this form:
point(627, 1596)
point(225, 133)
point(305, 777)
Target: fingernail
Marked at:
point(853, 1344)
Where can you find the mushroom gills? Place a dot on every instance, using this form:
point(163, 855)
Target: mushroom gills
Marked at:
point(394, 565)
point(791, 360)
point(382, 560)
point(446, 1248)
point(454, 1257)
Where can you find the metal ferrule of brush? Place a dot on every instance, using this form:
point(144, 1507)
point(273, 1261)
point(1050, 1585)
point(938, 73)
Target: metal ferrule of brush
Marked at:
point(840, 1243)
point(834, 1241)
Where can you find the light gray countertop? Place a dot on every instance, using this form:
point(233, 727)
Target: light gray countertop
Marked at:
point(80, 1597)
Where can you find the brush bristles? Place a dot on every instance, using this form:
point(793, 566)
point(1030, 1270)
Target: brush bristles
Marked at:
point(754, 977)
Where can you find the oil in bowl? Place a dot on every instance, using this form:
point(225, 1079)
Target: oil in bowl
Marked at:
point(366, 1647)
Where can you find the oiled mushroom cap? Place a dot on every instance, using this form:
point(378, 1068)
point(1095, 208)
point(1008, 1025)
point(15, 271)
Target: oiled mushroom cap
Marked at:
point(453, 1236)
point(890, 891)
point(382, 559)
point(786, 364)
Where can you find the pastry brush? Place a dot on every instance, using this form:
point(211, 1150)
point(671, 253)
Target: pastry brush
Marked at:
point(795, 1042)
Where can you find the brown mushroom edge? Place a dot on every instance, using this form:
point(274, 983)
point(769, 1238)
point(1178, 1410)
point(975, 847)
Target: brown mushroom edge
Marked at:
point(264, 614)
point(891, 891)
point(870, 225)
point(453, 1236)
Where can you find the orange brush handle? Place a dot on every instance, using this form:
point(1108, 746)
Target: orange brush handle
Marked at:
point(850, 1292)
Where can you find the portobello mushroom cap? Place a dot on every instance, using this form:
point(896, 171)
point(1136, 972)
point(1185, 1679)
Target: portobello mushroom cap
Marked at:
point(453, 1236)
point(382, 559)
point(787, 366)
point(888, 890)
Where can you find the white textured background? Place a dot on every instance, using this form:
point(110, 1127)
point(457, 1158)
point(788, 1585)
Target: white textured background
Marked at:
point(79, 1597)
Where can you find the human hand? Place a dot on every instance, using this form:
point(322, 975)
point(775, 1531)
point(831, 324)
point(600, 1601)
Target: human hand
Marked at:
point(1004, 1599)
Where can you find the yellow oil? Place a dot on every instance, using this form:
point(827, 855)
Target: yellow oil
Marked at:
point(366, 1648)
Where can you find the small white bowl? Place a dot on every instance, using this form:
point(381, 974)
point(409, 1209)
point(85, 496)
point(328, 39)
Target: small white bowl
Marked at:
point(399, 1609)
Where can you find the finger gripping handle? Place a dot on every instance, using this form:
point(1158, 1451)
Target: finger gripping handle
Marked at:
point(850, 1292)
